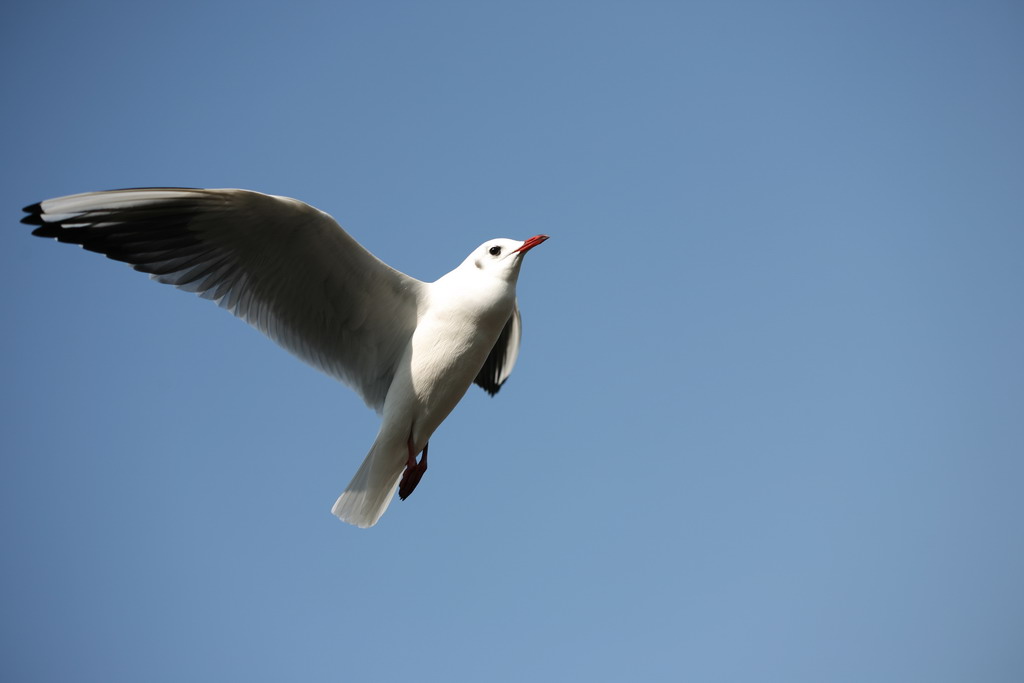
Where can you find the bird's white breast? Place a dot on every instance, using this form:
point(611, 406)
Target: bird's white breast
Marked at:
point(453, 337)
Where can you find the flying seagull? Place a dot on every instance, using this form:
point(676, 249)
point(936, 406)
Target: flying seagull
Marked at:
point(410, 349)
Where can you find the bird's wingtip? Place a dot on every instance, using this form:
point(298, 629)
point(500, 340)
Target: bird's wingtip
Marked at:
point(34, 214)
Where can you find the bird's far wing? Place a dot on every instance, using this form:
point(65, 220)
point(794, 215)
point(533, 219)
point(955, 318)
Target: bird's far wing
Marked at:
point(283, 266)
point(502, 357)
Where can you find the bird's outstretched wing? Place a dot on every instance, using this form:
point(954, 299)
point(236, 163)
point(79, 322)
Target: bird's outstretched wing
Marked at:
point(502, 357)
point(283, 266)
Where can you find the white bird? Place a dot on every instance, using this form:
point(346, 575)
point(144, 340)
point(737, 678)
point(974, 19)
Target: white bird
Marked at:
point(410, 349)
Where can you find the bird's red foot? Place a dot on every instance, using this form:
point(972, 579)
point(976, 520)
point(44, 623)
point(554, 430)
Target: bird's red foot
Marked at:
point(413, 472)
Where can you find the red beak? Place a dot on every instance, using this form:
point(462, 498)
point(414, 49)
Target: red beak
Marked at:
point(531, 243)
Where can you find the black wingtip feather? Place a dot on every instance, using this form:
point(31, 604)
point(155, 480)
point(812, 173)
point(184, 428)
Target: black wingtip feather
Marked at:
point(46, 231)
point(35, 214)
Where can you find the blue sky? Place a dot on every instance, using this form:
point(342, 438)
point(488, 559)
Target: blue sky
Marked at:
point(767, 419)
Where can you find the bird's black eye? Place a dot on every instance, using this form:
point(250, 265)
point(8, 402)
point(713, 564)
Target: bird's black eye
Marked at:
point(494, 251)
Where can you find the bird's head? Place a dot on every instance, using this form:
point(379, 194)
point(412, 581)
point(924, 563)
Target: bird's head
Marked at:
point(502, 257)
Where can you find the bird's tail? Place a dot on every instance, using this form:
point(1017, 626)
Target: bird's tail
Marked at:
point(372, 488)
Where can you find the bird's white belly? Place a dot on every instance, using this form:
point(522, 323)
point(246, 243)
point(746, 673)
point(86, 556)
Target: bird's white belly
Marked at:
point(446, 353)
point(446, 358)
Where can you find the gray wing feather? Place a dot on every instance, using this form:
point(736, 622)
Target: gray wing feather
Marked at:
point(283, 266)
point(502, 357)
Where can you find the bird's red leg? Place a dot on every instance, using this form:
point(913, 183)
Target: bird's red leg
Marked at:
point(413, 471)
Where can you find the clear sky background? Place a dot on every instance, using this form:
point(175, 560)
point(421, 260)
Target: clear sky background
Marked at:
point(768, 419)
